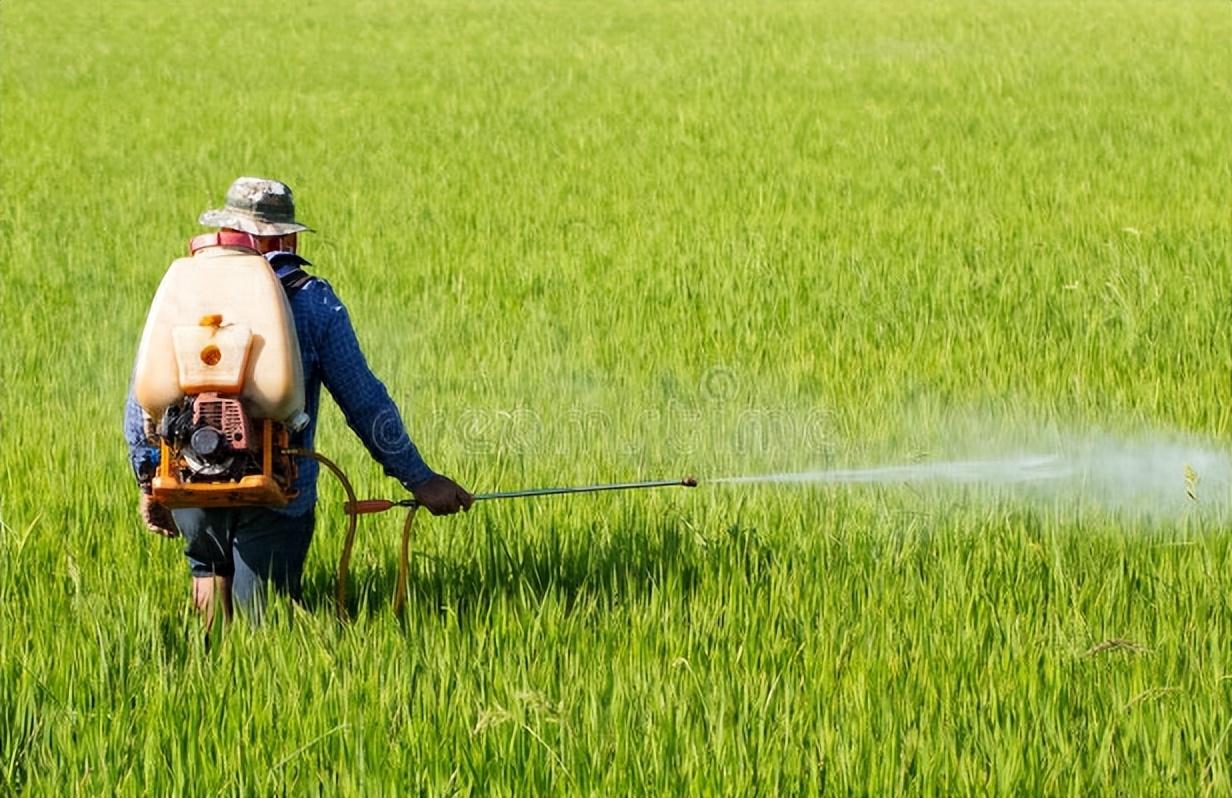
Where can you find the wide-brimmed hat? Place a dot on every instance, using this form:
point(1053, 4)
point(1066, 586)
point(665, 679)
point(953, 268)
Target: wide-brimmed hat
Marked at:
point(259, 206)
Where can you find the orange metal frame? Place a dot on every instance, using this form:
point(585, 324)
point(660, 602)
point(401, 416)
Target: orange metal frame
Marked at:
point(264, 489)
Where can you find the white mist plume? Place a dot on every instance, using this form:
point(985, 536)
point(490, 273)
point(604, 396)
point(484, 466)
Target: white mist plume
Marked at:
point(1156, 476)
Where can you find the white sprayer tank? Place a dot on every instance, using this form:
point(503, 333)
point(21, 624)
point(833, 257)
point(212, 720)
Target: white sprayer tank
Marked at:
point(220, 322)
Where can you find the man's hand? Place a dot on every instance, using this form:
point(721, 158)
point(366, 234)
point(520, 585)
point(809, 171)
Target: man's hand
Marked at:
point(442, 496)
point(157, 518)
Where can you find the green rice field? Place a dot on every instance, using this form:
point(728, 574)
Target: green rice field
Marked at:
point(601, 241)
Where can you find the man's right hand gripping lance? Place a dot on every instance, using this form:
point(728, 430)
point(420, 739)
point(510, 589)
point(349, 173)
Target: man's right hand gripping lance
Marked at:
point(219, 373)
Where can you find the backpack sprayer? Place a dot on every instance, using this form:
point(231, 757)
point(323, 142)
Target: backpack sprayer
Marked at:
point(219, 373)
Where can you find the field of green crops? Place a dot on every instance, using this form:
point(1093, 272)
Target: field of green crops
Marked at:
point(597, 241)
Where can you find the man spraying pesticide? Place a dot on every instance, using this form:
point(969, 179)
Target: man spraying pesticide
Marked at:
point(237, 344)
point(221, 416)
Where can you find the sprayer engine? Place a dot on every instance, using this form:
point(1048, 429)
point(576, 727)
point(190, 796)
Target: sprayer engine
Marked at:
point(214, 454)
point(213, 436)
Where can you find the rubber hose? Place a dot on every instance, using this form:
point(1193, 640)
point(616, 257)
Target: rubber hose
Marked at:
point(404, 563)
point(348, 543)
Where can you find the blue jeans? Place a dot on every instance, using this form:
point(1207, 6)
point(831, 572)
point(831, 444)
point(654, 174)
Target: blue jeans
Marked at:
point(253, 546)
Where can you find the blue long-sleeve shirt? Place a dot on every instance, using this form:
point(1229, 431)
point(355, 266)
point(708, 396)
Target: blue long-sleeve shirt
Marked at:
point(331, 356)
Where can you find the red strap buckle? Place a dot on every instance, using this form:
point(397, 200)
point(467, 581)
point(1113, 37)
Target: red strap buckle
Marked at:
point(223, 238)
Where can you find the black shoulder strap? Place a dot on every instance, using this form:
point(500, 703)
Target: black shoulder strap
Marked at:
point(288, 268)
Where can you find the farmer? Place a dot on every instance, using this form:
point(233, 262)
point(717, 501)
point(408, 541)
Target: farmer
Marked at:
point(234, 554)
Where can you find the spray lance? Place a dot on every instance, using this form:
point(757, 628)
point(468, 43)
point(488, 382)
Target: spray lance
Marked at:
point(381, 505)
point(355, 507)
